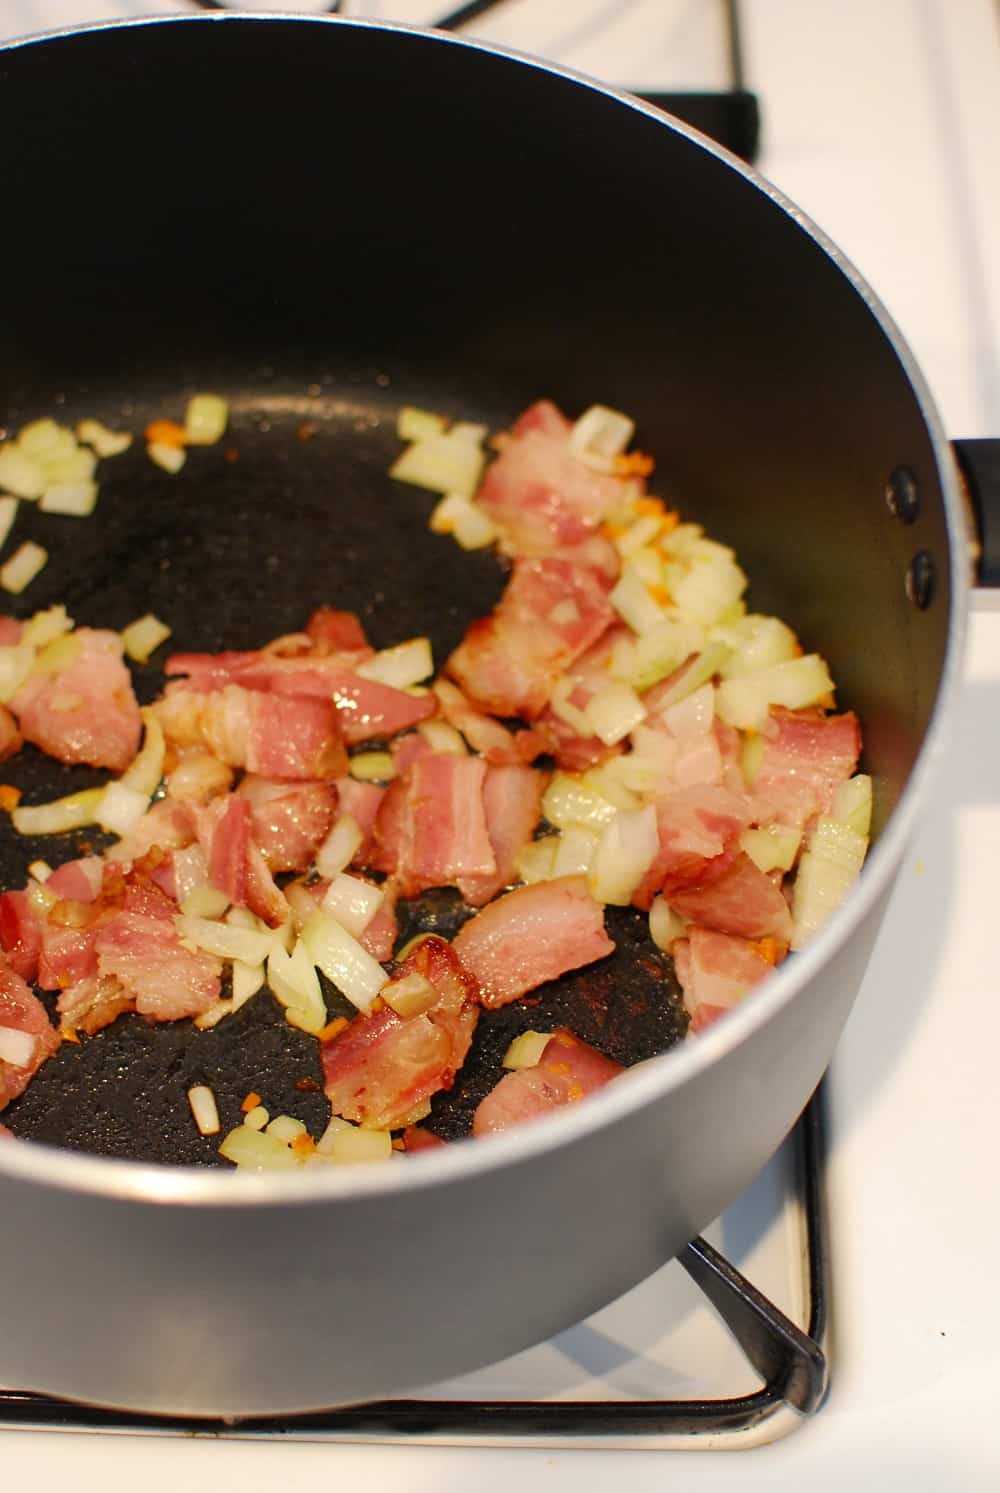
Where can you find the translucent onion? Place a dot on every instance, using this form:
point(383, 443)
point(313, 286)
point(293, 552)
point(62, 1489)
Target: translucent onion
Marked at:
point(62, 814)
point(286, 1128)
point(16, 662)
point(20, 474)
point(342, 959)
point(410, 996)
point(17, 1047)
point(372, 767)
point(625, 852)
point(614, 711)
point(146, 769)
point(633, 603)
point(828, 869)
point(569, 800)
point(295, 985)
point(104, 441)
point(224, 941)
point(205, 420)
point(352, 902)
point(744, 702)
point(204, 901)
point(535, 861)
point(526, 1050)
point(441, 463)
point(75, 499)
point(415, 424)
point(45, 626)
point(258, 1151)
point(204, 1109)
point(143, 636)
point(405, 664)
point(121, 808)
point(601, 434)
point(575, 852)
point(852, 804)
point(22, 567)
point(8, 513)
point(340, 846)
point(665, 925)
point(773, 848)
point(168, 458)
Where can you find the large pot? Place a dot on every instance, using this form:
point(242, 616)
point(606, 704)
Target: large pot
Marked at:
point(191, 200)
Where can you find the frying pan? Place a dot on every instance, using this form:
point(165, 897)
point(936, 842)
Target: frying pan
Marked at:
point(323, 220)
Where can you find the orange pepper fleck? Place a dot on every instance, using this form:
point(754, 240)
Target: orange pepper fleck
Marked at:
point(659, 594)
point(69, 1034)
point(768, 948)
point(399, 1144)
point(634, 464)
point(302, 1145)
point(332, 1028)
point(670, 521)
point(827, 701)
point(165, 433)
point(612, 531)
point(10, 797)
point(378, 1004)
point(646, 507)
point(251, 1101)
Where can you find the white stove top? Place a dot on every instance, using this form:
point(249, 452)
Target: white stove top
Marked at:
point(882, 121)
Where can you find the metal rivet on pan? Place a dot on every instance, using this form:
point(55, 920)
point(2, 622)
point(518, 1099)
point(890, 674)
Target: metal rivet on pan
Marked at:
point(919, 581)
point(902, 496)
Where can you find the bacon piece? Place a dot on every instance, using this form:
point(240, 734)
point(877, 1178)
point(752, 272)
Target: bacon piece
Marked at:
point(85, 712)
point(166, 823)
point(431, 826)
point(736, 897)
point(79, 880)
point(715, 971)
point(550, 613)
point(405, 750)
point(20, 933)
point(567, 1070)
point(585, 678)
point(531, 935)
point(330, 631)
point(277, 738)
point(91, 1004)
point(362, 801)
point(198, 777)
point(415, 1138)
point(68, 954)
point(689, 728)
point(381, 1068)
point(6, 1134)
point(538, 491)
point(22, 1011)
point(512, 802)
point(235, 863)
point(695, 825)
point(806, 754)
point(142, 949)
point(10, 736)
point(10, 631)
point(484, 734)
point(289, 821)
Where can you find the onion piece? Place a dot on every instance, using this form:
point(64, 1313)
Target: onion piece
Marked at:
point(286, 1128)
point(744, 702)
point(22, 567)
point(224, 941)
point(295, 985)
point(410, 996)
point(601, 434)
point(353, 1145)
point(204, 1109)
point(258, 1151)
point(21, 474)
point(169, 458)
point(405, 664)
point(247, 979)
point(372, 767)
point(72, 812)
point(342, 959)
point(625, 852)
point(204, 901)
point(570, 800)
point(829, 867)
point(17, 1047)
point(563, 706)
point(443, 738)
point(441, 463)
point(663, 649)
point(575, 852)
point(45, 626)
point(465, 520)
point(146, 769)
point(205, 420)
point(121, 808)
point(414, 424)
point(340, 846)
point(665, 925)
point(534, 861)
point(143, 636)
point(773, 848)
point(16, 662)
point(40, 870)
point(526, 1050)
point(8, 513)
point(633, 603)
point(614, 711)
point(757, 643)
point(352, 902)
point(104, 441)
point(852, 804)
point(75, 499)
point(257, 1118)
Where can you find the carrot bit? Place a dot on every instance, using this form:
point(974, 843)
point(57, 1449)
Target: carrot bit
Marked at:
point(378, 1004)
point(10, 797)
point(306, 430)
point(231, 455)
point(827, 701)
point(303, 1145)
point(333, 1028)
point(399, 1144)
point(634, 464)
point(768, 948)
point(659, 594)
point(251, 1101)
point(165, 433)
point(70, 1034)
point(612, 531)
point(646, 507)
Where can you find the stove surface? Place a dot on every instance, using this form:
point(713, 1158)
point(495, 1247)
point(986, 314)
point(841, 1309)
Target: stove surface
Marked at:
point(881, 121)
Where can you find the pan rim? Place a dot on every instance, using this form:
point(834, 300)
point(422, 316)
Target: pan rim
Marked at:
point(61, 1169)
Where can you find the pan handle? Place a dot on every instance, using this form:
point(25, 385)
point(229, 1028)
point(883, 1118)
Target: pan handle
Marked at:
point(979, 468)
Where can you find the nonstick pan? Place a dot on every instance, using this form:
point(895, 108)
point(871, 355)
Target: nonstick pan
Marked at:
point(323, 220)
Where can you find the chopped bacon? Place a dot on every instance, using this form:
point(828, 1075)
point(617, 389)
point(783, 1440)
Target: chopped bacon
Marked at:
point(142, 949)
point(79, 881)
point(734, 896)
point(68, 953)
point(806, 754)
point(483, 733)
point(10, 736)
point(405, 750)
point(166, 823)
point(415, 1138)
point(22, 1011)
point(380, 1068)
point(235, 863)
point(198, 776)
point(585, 678)
point(531, 935)
point(715, 971)
point(431, 826)
point(92, 1003)
point(86, 711)
point(689, 727)
point(20, 933)
point(550, 613)
point(289, 820)
point(331, 631)
point(10, 631)
point(539, 493)
point(695, 825)
point(567, 1070)
point(278, 738)
point(512, 801)
point(362, 801)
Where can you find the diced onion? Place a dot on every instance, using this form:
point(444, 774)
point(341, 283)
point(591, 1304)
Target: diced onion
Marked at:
point(8, 513)
point(698, 673)
point(20, 474)
point(410, 996)
point(258, 1151)
point(600, 435)
point(40, 870)
point(773, 848)
point(342, 959)
point(600, 780)
point(353, 1145)
point(62, 814)
point(707, 587)
point(744, 702)
point(614, 711)
point(146, 769)
point(205, 420)
point(286, 1128)
point(639, 533)
point(295, 985)
point(17, 1047)
point(258, 1117)
point(751, 753)
point(569, 800)
point(647, 565)
point(526, 1050)
point(828, 869)
point(756, 643)
point(467, 430)
point(665, 925)
point(204, 901)
point(104, 441)
point(852, 804)
point(75, 499)
point(45, 626)
point(22, 567)
point(372, 767)
point(247, 979)
point(441, 463)
point(459, 516)
point(334, 1128)
point(57, 655)
point(204, 1108)
point(663, 649)
point(414, 424)
point(443, 738)
point(121, 808)
point(352, 902)
point(169, 458)
point(625, 852)
point(143, 636)
point(224, 941)
point(576, 846)
point(39, 437)
point(76, 464)
point(405, 664)
point(16, 663)
point(340, 846)
point(535, 860)
point(633, 603)
point(564, 708)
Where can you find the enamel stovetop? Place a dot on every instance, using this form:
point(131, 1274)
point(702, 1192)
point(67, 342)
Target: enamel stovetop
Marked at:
point(882, 121)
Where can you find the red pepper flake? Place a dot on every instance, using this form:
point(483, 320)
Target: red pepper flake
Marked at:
point(231, 455)
point(166, 433)
point(306, 430)
point(333, 1028)
point(308, 1086)
point(251, 1101)
point(10, 797)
